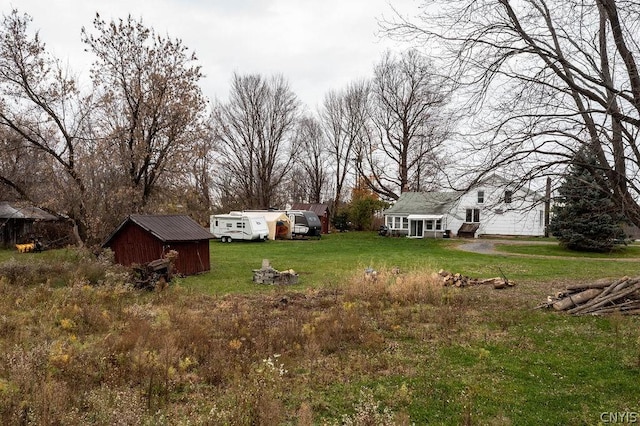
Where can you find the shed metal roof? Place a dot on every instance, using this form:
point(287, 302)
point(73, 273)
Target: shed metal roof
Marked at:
point(319, 209)
point(18, 211)
point(168, 228)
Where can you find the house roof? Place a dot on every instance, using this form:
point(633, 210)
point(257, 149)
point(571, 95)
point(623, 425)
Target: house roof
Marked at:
point(319, 209)
point(167, 228)
point(18, 211)
point(435, 203)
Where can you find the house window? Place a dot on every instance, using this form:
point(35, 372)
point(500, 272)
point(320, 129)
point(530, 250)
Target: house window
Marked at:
point(508, 195)
point(397, 222)
point(473, 215)
point(480, 197)
point(434, 225)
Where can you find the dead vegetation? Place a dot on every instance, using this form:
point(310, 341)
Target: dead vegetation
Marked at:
point(458, 280)
point(84, 352)
point(98, 351)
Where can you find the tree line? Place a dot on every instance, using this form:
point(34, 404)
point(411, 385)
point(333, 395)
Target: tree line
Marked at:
point(144, 138)
point(545, 84)
point(524, 88)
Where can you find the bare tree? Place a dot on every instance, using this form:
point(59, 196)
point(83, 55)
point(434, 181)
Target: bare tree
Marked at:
point(150, 114)
point(344, 118)
point(255, 130)
point(40, 111)
point(312, 159)
point(544, 79)
point(407, 103)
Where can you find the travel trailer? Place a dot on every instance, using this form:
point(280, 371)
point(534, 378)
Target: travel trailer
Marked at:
point(229, 227)
point(305, 223)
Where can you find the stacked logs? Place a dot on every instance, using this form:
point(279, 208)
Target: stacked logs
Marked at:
point(598, 298)
point(459, 280)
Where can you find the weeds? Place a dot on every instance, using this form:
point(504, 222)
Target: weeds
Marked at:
point(398, 349)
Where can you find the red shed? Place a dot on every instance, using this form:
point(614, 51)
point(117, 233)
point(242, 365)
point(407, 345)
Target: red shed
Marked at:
point(143, 238)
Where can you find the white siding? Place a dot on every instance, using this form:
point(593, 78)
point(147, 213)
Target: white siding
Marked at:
point(521, 217)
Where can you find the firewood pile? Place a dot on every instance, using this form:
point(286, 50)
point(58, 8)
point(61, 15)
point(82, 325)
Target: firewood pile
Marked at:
point(155, 274)
point(598, 298)
point(458, 280)
point(152, 275)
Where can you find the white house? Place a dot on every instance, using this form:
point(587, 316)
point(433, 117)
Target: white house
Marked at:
point(493, 207)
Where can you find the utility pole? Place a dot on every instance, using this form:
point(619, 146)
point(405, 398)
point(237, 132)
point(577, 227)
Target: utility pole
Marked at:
point(547, 207)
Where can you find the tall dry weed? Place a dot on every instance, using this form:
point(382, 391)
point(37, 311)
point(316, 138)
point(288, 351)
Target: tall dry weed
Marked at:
point(396, 287)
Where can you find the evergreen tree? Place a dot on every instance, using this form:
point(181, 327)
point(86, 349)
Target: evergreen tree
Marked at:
point(585, 218)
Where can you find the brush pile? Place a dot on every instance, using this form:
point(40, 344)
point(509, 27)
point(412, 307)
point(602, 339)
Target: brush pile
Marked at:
point(598, 298)
point(459, 280)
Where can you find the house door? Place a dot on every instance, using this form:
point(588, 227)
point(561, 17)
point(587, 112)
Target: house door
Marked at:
point(417, 228)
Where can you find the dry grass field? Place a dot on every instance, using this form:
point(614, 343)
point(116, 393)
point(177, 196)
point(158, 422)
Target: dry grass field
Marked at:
point(79, 346)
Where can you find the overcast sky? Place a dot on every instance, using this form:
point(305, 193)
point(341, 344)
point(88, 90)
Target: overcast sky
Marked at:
point(318, 45)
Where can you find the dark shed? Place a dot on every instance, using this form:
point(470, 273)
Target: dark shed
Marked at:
point(18, 222)
point(322, 210)
point(143, 238)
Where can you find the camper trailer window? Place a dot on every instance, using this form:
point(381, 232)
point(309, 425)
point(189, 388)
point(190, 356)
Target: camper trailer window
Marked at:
point(229, 225)
point(240, 225)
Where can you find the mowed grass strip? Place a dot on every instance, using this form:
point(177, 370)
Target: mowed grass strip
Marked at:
point(326, 261)
point(620, 252)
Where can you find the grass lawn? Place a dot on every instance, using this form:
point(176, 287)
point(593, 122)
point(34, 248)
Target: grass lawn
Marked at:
point(620, 252)
point(328, 260)
point(218, 349)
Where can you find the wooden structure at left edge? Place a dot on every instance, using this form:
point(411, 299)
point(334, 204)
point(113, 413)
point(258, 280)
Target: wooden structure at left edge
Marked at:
point(140, 239)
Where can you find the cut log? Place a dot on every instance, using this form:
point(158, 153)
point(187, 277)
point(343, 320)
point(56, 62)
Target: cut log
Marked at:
point(576, 299)
point(603, 283)
point(607, 297)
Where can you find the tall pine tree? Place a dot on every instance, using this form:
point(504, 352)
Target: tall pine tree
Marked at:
point(585, 218)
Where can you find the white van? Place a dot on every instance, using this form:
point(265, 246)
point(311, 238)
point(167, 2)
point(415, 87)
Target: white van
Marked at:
point(230, 227)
